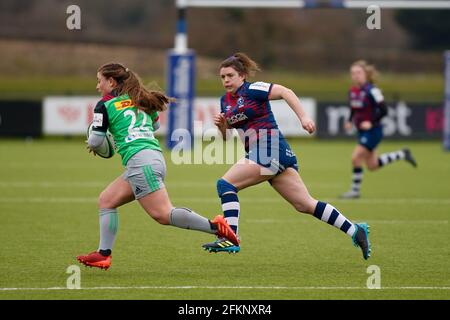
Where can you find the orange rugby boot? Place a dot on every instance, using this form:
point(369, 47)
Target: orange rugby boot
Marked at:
point(95, 259)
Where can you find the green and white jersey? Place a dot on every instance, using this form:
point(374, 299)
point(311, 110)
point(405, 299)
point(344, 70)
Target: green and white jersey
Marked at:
point(132, 128)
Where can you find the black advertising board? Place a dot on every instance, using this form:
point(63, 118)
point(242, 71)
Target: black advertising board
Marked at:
point(404, 120)
point(20, 118)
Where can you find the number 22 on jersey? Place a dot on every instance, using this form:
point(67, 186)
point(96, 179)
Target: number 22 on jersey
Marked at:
point(138, 128)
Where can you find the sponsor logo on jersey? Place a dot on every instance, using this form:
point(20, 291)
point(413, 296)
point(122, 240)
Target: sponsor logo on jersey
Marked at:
point(98, 120)
point(356, 104)
point(123, 104)
point(237, 118)
point(135, 134)
point(289, 153)
point(240, 102)
point(377, 95)
point(263, 86)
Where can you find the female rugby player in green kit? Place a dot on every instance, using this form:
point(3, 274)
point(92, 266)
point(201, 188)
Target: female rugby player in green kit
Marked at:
point(130, 112)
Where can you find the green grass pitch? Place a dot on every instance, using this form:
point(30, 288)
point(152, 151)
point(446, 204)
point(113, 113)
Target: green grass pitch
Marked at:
point(48, 214)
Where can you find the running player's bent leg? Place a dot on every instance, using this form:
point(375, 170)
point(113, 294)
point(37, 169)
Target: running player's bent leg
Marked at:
point(109, 221)
point(230, 203)
point(290, 185)
point(157, 204)
point(230, 207)
point(115, 195)
point(241, 175)
point(359, 156)
point(187, 219)
point(109, 224)
point(390, 157)
point(357, 231)
point(329, 214)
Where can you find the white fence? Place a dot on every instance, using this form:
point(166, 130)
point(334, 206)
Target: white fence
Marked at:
point(72, 115)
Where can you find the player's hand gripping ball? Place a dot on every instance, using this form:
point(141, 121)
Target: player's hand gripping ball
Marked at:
point(107, 148)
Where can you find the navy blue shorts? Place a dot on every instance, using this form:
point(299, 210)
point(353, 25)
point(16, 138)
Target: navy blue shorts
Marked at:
point(276, 156)
point(370, 138)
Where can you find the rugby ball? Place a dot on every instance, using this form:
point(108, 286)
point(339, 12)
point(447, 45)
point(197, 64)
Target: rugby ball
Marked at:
point(107, 148)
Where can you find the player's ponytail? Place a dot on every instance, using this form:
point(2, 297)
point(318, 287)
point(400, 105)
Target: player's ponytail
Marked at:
point(241, 63)
point(372, 73)
point(129, 83)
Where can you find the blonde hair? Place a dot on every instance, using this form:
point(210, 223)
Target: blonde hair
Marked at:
point(129, 83)
point(370, 70)
point(241, 63)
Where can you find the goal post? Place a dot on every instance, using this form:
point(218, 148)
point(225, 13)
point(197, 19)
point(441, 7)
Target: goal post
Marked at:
point(447, 102)
point(181, 60)
point(180, 85)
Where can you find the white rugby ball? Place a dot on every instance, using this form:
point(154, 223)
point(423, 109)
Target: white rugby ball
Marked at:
point(107, 148)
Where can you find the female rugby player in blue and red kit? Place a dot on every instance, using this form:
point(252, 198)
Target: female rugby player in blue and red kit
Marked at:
point(367, 109)
point(246, 107)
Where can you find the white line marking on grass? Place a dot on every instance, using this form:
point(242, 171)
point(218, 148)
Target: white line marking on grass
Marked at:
point(49, 200)
point(53, 184)
point(359, 201)
point(263, 221)
point(399, 201)
point(393, 201)
point(95, 184)
point(409, 221)
point(223, 287)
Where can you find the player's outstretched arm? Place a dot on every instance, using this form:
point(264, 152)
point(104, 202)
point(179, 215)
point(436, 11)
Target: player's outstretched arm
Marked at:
point(280, 92)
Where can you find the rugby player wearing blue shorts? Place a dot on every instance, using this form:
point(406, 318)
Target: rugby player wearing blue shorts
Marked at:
point(130, 112)
point(246, 107)
point(367, 110)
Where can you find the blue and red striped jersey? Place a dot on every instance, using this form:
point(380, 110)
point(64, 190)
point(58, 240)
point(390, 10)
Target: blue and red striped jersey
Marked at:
point(248, 109)
point(365, 103)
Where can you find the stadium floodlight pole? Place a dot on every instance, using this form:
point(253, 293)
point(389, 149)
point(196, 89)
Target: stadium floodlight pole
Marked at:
point(348, 4)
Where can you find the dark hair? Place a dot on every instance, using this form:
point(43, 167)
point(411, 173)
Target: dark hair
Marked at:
point(129, 83)
point(241, 63)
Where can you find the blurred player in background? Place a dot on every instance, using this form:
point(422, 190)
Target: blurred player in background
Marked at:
point(246, 107)
point(130, 112)
point(367, 110)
